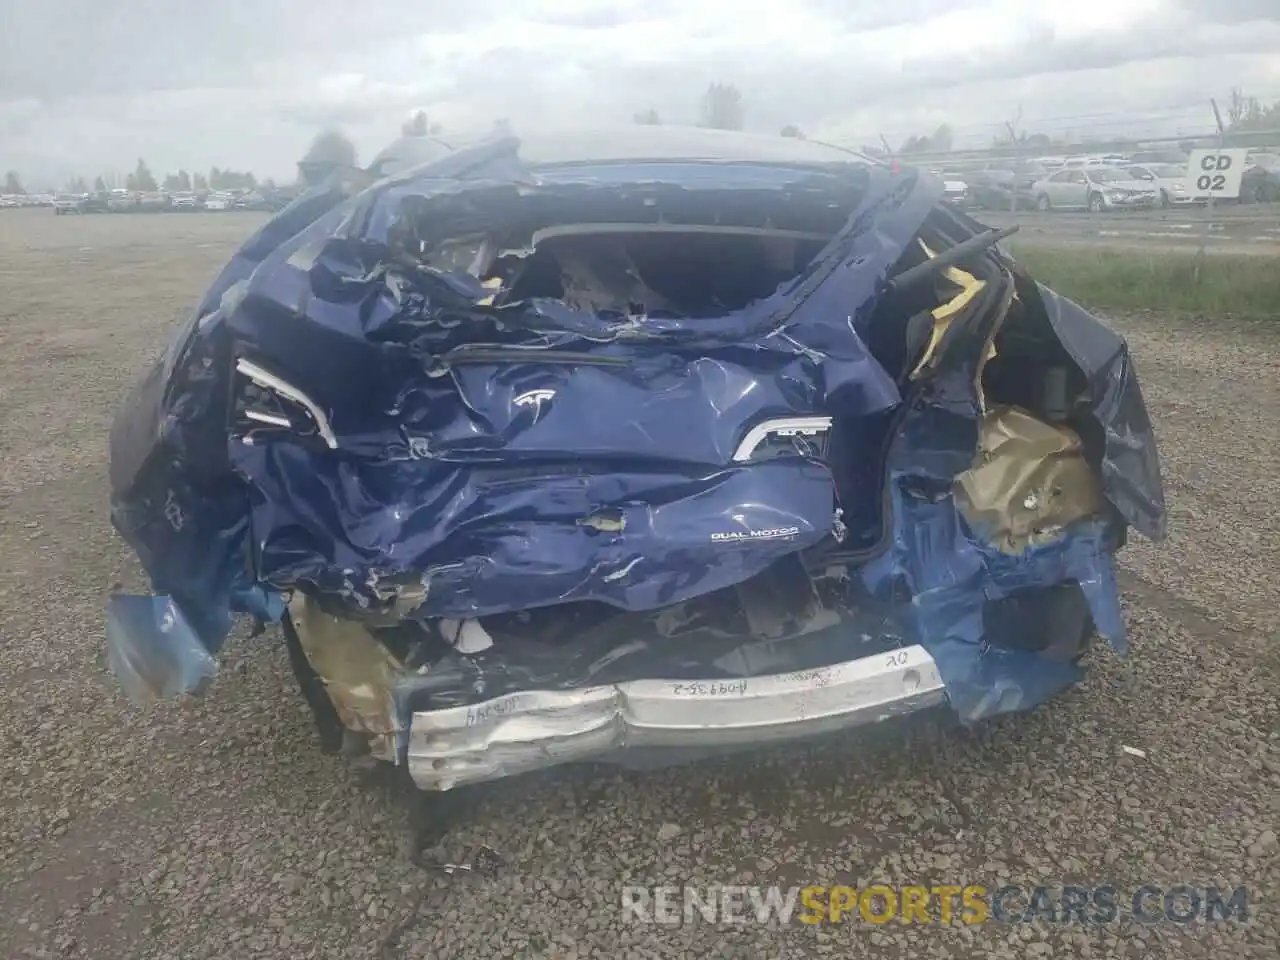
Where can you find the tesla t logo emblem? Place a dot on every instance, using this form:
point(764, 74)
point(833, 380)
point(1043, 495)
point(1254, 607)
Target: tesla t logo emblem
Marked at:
point(173, 512)
point(534, 398)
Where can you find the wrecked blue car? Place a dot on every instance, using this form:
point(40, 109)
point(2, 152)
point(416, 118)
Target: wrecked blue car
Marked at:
point(547, 449)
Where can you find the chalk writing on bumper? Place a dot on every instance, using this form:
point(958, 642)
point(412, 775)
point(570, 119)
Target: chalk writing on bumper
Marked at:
point(525, 731)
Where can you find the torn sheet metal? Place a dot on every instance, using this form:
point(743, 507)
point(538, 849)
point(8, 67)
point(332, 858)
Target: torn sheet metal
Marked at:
point(522, 539)
point(1131, 465)
point(952, 576)
point(1029, 481)
point(359, 672)
point(955, 576)
point(153, 651)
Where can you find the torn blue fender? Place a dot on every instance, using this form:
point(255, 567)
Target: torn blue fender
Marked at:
point(951, 576)
point(153, 650)
point(378, 406)
point(1130, 464)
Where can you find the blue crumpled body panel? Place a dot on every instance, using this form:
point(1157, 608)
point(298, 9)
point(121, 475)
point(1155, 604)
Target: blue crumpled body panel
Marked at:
point(153, 651)
point(951, 575)
point(485, 486)
point(488, 541)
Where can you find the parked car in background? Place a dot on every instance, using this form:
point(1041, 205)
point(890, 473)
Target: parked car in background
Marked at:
point(253, 200)
point(66, 203)
point(277, 198)
point(219, 201)
point(955, 187)
point(1095, 160)
point(1261, 180)
point(151, 202)
point(1006, 184)
point(122, 201)
point(1095, 189)
point(184, 200)
point(1170, 179)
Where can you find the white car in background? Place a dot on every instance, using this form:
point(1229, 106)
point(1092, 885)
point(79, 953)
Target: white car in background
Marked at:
point(954, 188)
point(68, 203)
point(1170, 179)
point(1095, 188)
point(1095, 160)
point(219, 201)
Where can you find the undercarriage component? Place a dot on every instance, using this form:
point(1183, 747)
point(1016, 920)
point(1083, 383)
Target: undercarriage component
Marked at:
point(329, 726)
point(778, 599)
point(358, 672)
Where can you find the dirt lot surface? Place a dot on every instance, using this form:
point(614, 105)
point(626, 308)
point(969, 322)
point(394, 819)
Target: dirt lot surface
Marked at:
point(215, 828)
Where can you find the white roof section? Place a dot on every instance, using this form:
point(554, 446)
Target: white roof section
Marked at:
point(632, 143)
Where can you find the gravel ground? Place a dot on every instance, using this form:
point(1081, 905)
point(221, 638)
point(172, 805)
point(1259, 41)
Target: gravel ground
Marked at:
point(215, 828)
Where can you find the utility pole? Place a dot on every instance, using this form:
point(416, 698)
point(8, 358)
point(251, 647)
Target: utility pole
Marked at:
point(1012, 127)
point(1208, 217)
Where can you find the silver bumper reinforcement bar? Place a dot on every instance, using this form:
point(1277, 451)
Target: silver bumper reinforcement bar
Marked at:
point(525, 731)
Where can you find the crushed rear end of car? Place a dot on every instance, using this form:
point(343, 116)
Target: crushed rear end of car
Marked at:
point(540, 461)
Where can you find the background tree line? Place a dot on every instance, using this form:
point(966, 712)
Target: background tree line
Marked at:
point(721, 107)
point(142, 180)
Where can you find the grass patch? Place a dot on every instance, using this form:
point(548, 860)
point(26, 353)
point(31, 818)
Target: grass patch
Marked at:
point(1242, 285)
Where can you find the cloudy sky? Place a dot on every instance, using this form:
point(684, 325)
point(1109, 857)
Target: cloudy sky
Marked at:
point(87, 86)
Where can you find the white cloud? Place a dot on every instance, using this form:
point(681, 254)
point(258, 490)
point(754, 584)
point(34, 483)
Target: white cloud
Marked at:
point(247, 84)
